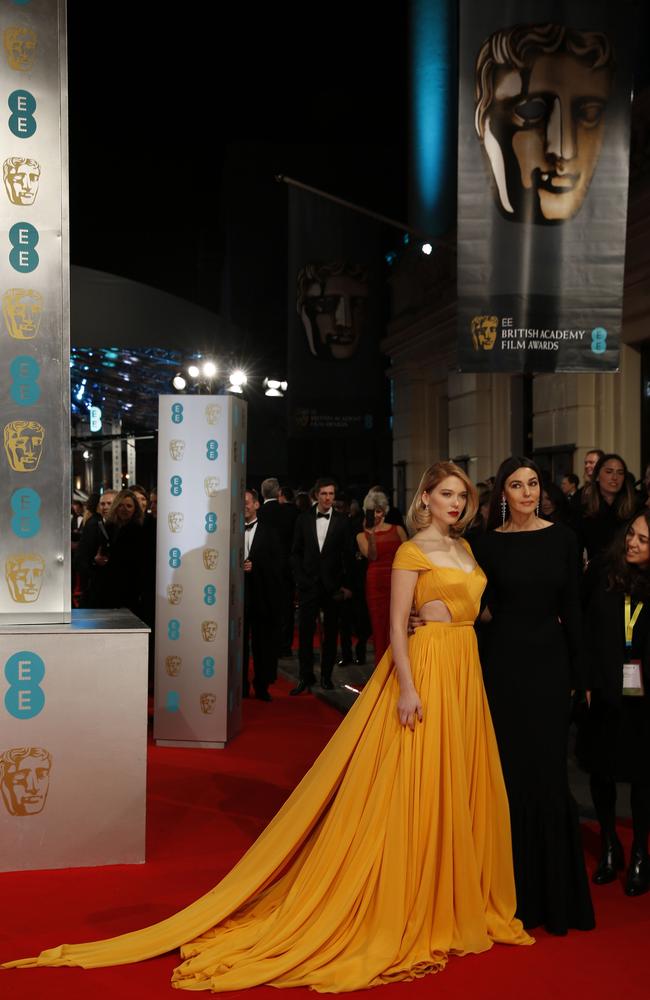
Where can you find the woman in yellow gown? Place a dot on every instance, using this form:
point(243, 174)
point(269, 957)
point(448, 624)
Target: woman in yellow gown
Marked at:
point(394, 850)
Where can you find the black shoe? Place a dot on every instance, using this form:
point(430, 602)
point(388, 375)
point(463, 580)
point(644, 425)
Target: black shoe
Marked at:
point(610, 863)
point(300, 687)
point(326, 683)
point(263, 696)
point(360, 658)
point(638, 874)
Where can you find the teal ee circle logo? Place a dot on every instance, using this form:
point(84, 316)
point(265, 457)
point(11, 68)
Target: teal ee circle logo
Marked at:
point(209, 594)
point(25, 505)
point(24, 371)
point(208, 666)
point(599, 340)
point(174, 558)
point(177, 413)
point(211, 522)
point(24, 239)
point(173, 629)
point(22, 105)
point(172, 701)
point(212, 450)
point(175, 486)
point(24, 672)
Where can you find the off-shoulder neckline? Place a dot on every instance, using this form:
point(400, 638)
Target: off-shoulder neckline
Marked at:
point(454, 569)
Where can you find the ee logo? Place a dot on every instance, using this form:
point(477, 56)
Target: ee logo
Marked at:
point(23, 256)
point(173, 629)
point(208, 666)
point(173, 701)
point(174, 558)
point(175, 486)
point(177, 413)
point(211, 522)
point(599, 340)
point(212, 450)
point(25, 505)
point(24, 672)
point(24, 371)
point(22, 105)
point(210, 594)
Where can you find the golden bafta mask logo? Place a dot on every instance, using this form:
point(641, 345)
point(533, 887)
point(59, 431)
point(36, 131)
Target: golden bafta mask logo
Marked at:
point(484, 332)
point(209, 631)
point(175, 521)
point(20, 48)
point(21, 176)
point(177, 449)
point(211, 485)
point(22, 309)
point(210, 558)
point(23, 440)
point(173, 665)
point(175, 593)
point(212, 413)
point(25, 779)
point(208, 702)
point(24, 575)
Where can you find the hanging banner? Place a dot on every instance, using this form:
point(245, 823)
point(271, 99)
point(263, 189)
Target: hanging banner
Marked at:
point(544, 105)
point(338, 390)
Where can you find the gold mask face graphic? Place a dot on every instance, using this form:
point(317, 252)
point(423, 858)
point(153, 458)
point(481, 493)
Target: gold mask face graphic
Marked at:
point(24, 575)
point(208, 702)
point(175, 593)
point(175, 521)
point(210, 558)
point(173, 665)
point(20, 48)
point(22, 309)
point(21, 177)
point(177, 449)
point(25, 779)
point(23, 441)
point(209, 631)
point(484, 332)
point(212, 413)
point(211, 486)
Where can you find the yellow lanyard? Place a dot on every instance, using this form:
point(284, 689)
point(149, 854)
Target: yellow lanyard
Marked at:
point(631, 619)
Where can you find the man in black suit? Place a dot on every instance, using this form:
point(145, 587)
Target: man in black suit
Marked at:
point(321, 560)
point(262, 579)
point(281, 518)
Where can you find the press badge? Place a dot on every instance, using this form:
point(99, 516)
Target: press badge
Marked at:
point(633, 679)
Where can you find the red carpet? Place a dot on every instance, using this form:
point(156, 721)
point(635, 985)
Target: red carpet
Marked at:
point(204, 809)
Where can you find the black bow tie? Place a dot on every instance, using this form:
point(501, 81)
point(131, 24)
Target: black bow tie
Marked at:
point(251, 524)
point(318, 514)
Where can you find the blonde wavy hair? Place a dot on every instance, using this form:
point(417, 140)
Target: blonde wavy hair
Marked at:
point(419, 517)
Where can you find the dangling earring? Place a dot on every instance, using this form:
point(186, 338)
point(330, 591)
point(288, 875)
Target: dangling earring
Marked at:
point(537, 509)
point(504, 508)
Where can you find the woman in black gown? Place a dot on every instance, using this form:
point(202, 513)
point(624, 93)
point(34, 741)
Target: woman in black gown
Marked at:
point(530, 652)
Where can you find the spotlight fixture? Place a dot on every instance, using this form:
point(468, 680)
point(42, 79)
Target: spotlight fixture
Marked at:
point(237, 380)
point(274, 387)
point(179, 382)
point(193, 371)
point(427, 248)
point(209, 369)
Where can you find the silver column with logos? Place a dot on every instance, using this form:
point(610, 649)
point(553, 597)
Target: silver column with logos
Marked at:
point(199, 569)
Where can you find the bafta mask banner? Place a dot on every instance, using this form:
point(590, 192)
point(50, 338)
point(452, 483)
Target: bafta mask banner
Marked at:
point(199, 574)
point(337, 385)
point(542, 184)
point(34, 351)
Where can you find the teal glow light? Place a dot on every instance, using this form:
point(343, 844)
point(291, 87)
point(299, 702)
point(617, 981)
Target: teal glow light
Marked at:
point(433, 113)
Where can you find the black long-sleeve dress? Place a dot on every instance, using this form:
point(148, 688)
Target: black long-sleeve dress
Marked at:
point(530, 658)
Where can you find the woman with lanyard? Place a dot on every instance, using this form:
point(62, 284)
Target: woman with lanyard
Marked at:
point(617, 646)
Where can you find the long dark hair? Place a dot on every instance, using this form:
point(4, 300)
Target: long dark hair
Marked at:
point(620, 574)
point(624, 502)
point(505, 470)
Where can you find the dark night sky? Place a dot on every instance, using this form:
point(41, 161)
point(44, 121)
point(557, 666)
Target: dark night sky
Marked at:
point(179, 121)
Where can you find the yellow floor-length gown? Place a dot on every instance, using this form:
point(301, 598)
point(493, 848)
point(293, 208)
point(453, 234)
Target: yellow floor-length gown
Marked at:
point(392, 853)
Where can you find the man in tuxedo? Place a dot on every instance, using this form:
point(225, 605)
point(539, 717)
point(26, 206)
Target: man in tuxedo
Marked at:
point(262, 578)
point(281, 518)
point(321, 560)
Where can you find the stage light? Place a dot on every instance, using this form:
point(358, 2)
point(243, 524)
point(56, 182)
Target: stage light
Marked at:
point(193, 371)
point(274, 387)
point(237, 380)
point(427, 248)
point(179, 382)
point(209, 369)
point(86, 454)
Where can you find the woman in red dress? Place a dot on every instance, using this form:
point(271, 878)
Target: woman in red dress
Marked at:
point(379, 544)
